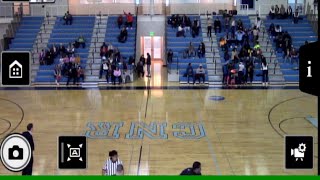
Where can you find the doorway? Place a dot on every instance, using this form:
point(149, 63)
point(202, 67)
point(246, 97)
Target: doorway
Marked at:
point(153, 46)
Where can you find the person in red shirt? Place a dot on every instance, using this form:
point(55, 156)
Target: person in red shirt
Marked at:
point(129, 19)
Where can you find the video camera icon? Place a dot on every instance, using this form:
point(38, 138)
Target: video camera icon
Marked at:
point(298, 153)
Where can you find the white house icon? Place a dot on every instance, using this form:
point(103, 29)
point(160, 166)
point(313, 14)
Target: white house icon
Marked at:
point(15, 70)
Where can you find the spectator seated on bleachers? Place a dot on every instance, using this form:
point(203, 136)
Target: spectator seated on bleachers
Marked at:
point(289, 12)
point(271, 31)
point(120, 21)
point(200, 74)
point(278, 30)
point(180, 32)
point(67, 18)
point(117, 75)
point(122, 38)
point(169, 56)
point(223, 43)
point(129, 19)
point(217, 25)
point(48, 57)
point(296, 17)
point(62, 49)
point(189, 73)
point(103, 50)
point(80, 74)
point(191, 51)
point(70, 50)
point(272, 12)
point(277, 11)
point(110, 49)
point(294, 56)
point(54, 50)
point(282, 14)
point(82, 41)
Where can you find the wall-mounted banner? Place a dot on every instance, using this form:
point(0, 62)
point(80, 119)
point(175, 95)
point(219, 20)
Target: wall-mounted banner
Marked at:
point(141, 130)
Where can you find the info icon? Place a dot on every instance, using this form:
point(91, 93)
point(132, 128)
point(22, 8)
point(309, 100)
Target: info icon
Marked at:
point(15, 68)
point(72, 152)
point(15, 152)
point(299, 152)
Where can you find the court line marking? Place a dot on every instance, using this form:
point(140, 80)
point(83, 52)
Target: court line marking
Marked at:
point(210, 145)
point(149, 87)
point(22, 116)
point(273, 107)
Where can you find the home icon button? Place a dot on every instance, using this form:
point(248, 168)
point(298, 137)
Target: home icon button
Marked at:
point(15, 68)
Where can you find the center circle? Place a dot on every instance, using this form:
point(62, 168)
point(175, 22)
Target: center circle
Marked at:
point(5, 125)
point(216, 98)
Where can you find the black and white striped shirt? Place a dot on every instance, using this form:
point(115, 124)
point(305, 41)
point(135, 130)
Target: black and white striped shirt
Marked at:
point(111, 167)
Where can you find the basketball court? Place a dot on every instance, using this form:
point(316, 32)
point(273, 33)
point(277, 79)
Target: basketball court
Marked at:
point(230, 131)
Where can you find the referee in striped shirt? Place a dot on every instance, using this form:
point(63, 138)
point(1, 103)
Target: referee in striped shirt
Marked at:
point(110, 167)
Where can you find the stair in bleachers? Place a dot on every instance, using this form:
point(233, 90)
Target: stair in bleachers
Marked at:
point(180, 44)
point(26, 34)
point(41, 43)
point(126, 49)
point(275, 74)
point(213, 58)
point(300, 33)
point(94, 59)
point(65, 34)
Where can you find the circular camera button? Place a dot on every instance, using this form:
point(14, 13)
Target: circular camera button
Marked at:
point(15, 152)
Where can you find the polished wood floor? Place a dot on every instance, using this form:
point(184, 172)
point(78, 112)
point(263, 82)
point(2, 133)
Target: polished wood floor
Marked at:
point(243, 135)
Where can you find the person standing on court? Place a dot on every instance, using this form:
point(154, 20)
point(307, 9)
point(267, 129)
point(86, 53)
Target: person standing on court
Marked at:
point(110, 167)
point(28, 135)
point(195, 170)
point(148, 65)
point(264, 68)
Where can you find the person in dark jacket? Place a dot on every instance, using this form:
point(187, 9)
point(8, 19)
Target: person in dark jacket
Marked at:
point(148, 65)
point(217, 25)
point(195, 170)
point(189, 72)
point(28, 135)
point(123, 35)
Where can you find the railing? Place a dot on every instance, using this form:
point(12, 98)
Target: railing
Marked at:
point(313, 20)
point(14, 24)
point(243, 9)
point(177, 65)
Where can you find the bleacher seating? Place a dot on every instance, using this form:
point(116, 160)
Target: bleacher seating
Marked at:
point(300, 33)
point(128, 48)
point(26, 34)
point(180, 44)
point(65, 34)
point(247, 24)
